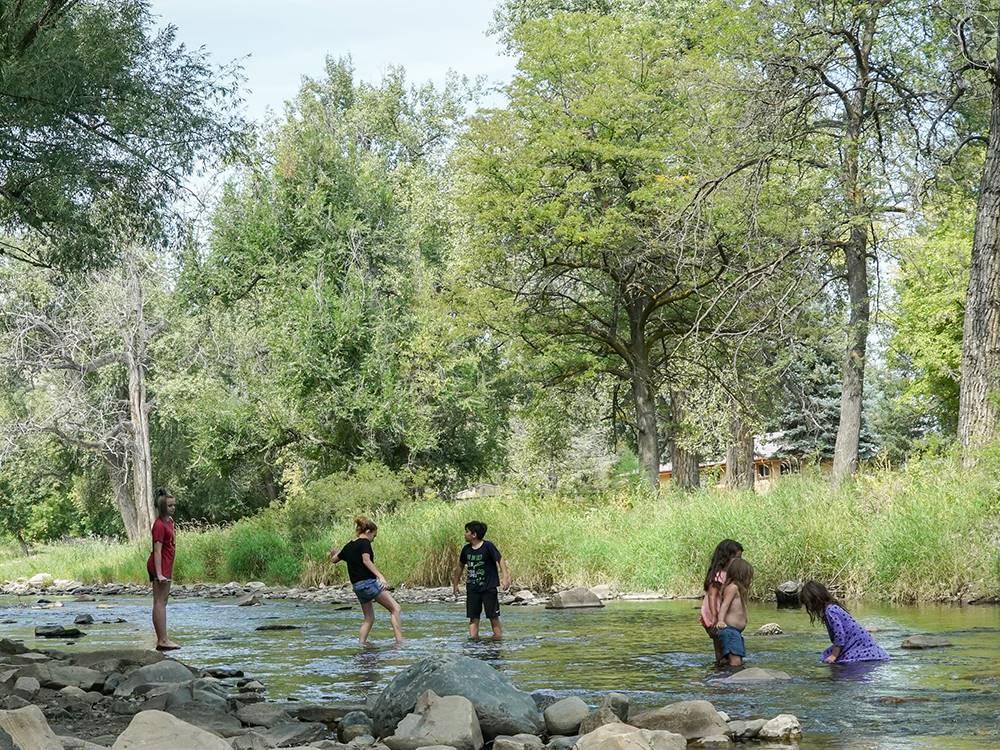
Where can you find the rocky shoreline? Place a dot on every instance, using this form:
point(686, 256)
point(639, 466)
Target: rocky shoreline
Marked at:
point(132, 699)
point(44, 584)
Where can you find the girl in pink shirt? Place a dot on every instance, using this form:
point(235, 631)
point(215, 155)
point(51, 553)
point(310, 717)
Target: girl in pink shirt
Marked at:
point(715, 581)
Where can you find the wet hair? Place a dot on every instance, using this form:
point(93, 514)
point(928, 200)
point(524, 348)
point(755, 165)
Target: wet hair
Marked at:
point(740, 572)
point(725, 551)
point(363, 524)
point(478, 528)
point(815, 598)
point(160, 501)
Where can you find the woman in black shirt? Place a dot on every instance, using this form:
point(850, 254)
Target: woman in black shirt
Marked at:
point(368, 583)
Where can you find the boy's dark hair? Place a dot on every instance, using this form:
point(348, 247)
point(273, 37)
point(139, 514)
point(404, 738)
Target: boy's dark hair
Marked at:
point(160, 501)
point(725, 551)
point(815, 598)
point(478, 528)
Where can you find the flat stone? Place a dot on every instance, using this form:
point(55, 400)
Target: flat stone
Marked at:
point(278, 626)
point(565, 716)
point(167, 671)
point(691, 719)
point(518, 742)
point(28, 730)
point(209, 718)
point(58, 631)
point(626, 737)
point(263, 715)
point(294, 733)
point(83, 620)
point(926, 641)
point(156, 730)
point(756, 674)
point(58, 676)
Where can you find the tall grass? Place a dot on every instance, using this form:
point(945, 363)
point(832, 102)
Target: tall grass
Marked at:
point(931, 530)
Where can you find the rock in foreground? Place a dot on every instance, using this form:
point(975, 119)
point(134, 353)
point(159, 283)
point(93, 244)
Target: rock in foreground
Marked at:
point(156, 730)
point(625, 737)
point(756, 674)
point(691, 719)
point(926, 641)
point(501, 707)
point(449, 721)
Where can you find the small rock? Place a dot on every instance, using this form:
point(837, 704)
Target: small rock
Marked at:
point(787, 594)
point(353, 725)
point(518, 742)
point(41, 581)
point(83, 620)
point(263, 715)
point(564, 717)
point(718, 742)
point(781, 727)
point(278, 626)
point(26, 687)
point(57, 631)
point(926, 641)
point(770, 628)
point(756, 674)
point(691, 719)
point(248, 601)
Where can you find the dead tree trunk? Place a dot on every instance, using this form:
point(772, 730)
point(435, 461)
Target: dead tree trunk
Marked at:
point(135, 337)
point(685, 462)
point(739, 456)
point(980, 375)
point(644, 399)
point(121, 487)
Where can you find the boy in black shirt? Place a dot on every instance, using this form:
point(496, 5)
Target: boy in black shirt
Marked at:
point(481, 558)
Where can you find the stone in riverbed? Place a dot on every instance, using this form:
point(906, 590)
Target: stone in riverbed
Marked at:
point(8, 646)
point(438, 721)
point(782, 727)
point(27, 729)
point(625, 737)
point(578, 598)
point(58, 676)
point(501, 707)
point(691, 719)
point(926, 641)
point(756, 674)
point(745, 730)
point(565, 716)
point(26, 687)
point(263, 715)
point(294, 733)
point(561, 743)
point(278, 626)
point(58, 631)
point(211, 719)
point(354, 724)
point(251, 600)
point(518, 742)
point(770, 628)
point(787, 594)
point(41, 581)
point(156, 730)
point(167, 670)
point(83, 620)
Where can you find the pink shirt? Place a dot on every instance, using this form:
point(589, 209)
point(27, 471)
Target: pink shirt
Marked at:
point(713, 598)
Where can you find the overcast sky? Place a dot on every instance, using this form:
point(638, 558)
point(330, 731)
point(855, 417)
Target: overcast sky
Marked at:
point(279, 42)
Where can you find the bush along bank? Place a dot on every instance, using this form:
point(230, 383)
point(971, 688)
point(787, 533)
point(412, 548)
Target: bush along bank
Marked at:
point(930, 531)
point(132, 697)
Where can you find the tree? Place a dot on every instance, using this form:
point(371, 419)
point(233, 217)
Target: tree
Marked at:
point(98, 108)
point(77, 349)
point(320, 331)
point(623, 204)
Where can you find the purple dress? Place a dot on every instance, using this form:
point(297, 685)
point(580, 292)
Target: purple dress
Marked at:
point(856, 643)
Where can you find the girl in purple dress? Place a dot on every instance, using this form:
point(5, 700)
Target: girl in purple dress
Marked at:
point(851, 642)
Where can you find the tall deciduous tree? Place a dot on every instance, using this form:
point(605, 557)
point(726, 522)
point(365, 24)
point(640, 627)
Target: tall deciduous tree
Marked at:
point(621, 205)
point(97, 106)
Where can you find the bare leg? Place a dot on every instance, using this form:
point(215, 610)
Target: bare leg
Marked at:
point(497, 627)
point(386, 600)
point(474, 628)
point(161, 592)
point(366, 624)
point(735, 661)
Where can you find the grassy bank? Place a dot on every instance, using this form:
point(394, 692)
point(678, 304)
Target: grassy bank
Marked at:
point(929, 531)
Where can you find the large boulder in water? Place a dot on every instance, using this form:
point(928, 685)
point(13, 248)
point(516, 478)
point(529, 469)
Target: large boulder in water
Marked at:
point(693, 719)
point(501, 707)
point(578, 598)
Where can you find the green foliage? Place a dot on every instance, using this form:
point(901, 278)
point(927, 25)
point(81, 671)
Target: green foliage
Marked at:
point(103, 116)
point(371, 490)
point(929, 531)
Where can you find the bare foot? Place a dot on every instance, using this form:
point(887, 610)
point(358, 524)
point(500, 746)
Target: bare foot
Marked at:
point(167, 646)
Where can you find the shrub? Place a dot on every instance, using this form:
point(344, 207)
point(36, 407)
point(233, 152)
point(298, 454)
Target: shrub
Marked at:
point(255, 548)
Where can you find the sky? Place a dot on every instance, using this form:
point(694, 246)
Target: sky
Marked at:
point(279, 42)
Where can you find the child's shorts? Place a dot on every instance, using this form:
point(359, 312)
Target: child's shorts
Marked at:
point(731, 642)
point(368, 590)
point(479, 601)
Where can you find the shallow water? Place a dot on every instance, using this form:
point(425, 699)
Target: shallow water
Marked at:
point(656, 652)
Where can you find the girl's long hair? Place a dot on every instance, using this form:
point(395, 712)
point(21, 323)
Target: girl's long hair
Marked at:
point(363, 525)
point(725, 551)
point(160, 501)
point(815, 598)
point(740, 572)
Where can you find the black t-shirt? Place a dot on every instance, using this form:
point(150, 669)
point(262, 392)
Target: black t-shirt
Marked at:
point(351, 554)
point(483, 574)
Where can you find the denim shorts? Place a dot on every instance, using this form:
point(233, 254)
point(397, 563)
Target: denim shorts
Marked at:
point(367, 590)
point(731, 642)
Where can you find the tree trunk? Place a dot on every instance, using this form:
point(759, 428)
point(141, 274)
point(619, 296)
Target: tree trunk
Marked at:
point(135, 337)
point(739, 456)
point(121, 487)
point(646, 431)
point(980, 376)
point(685, 462)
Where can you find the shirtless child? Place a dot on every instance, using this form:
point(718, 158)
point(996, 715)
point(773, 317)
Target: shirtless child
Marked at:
point(732, 620)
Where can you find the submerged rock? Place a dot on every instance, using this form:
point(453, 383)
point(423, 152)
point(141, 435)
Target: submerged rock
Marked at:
point(756, 674)
point(57, 631)
point(926, 641)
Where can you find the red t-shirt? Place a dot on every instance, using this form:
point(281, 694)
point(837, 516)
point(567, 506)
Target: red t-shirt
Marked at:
point(163, 532)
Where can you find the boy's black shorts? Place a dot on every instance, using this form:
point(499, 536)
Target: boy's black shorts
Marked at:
point(479, 601)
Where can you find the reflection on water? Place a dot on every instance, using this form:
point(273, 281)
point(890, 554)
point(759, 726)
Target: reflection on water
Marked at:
point(656, 652)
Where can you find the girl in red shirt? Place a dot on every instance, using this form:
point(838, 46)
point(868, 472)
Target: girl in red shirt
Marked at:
point(160, 566)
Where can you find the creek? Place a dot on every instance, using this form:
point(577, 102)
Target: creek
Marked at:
point(655, 652)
